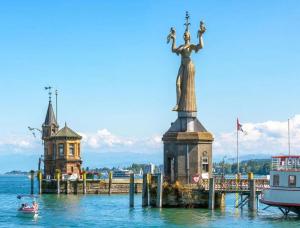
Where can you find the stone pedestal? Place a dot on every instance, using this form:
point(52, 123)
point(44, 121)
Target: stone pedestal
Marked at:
point(187, 150)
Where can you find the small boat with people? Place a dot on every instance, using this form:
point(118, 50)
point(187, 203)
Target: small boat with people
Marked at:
point(284, 191)
point(28, 204)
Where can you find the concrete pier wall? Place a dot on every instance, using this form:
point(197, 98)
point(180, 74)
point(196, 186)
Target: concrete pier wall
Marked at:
point(92, 186)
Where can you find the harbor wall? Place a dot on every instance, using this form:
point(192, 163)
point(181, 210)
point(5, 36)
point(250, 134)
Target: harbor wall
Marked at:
point(187, 196)
point(103, 186)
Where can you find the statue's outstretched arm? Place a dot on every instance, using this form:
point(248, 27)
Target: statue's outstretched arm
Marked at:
point(201, 31)
point(172, 36)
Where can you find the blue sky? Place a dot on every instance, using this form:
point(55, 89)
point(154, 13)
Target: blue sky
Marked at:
point(116, 75)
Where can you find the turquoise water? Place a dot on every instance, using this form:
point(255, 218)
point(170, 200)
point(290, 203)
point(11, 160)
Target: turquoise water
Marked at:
point(113, 211)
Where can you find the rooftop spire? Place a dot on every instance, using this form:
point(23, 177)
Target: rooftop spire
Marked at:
point(50, 116)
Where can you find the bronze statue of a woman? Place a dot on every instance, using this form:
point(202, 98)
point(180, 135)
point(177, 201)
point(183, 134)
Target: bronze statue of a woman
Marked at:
point(185, 83)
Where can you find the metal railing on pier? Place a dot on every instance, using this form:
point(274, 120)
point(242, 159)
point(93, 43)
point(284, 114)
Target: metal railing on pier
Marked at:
point(235, 185)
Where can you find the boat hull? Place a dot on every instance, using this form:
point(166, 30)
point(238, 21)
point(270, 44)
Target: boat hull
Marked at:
point(282, 198)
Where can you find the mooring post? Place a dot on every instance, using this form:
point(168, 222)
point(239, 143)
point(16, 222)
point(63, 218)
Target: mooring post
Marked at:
point(159, 190)
point(131, 190)
point(250, 176)
point(252, 193)
point(58, 182)
point(149, 180)
point(110, 175)
point(211, 196)
point(40, 179)
point(145, 190)
point(223, 200)
point(84, 181)
point(31, 182)
point(68, 186)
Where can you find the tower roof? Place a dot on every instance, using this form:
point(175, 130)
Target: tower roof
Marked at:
point(50, 116)
point(67, 132)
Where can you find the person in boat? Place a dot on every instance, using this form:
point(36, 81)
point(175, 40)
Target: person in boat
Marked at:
point(35, 205)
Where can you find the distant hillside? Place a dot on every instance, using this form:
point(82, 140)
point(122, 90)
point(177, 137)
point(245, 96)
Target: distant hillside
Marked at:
point(17, 172)
point(257, 166)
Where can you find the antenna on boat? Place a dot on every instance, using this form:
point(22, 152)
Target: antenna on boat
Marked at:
point(289, 140)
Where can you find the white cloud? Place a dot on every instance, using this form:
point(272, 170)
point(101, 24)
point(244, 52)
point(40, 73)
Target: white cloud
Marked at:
point(104, 140)
point(18, 143)
point(101, 141)
point(270, 137)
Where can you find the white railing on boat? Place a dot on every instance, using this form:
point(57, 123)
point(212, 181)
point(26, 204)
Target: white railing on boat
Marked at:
point(286, 163)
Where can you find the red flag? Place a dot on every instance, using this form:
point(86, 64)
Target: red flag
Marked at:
point(239, 126)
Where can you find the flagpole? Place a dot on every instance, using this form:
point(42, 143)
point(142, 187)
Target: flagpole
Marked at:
point(237, 148)
point(237, 161)
point(289, 140)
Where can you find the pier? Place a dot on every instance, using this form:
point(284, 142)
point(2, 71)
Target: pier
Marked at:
point(208, 193)
point(89, 186)
point(157, 192)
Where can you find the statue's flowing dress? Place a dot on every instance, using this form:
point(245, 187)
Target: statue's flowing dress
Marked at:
point(187, 101)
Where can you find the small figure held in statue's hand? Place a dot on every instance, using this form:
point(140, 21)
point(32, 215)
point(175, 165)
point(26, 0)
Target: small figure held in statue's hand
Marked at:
point(202, 29)
point(172, 35)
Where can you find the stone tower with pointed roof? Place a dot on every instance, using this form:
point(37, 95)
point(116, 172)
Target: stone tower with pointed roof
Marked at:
point(61, 147)
point(50, 126)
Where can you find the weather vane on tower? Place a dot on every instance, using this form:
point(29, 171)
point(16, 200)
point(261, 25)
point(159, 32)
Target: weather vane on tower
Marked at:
point(49, 91)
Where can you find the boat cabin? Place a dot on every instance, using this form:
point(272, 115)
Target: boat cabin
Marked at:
point(284, 191)
point(285, 172)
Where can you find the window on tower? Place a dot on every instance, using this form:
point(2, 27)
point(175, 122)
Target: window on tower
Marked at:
point(46, 151)
point(205, 164)
point(54, 151)
point(61, 149)
point(71, 149)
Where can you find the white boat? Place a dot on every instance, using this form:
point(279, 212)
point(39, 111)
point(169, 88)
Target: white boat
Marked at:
point(284, 191)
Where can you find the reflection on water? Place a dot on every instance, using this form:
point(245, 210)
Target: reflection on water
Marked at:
point(186, 217)
point(114, 211)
